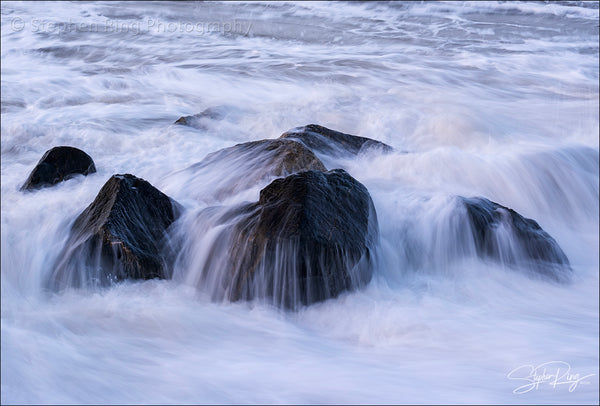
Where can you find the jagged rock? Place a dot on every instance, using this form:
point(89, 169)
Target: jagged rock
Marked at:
point(118, 236)
point(309, 238)
point(331, 142)
point(230, 170)
point(503, 234)
point(58, 164)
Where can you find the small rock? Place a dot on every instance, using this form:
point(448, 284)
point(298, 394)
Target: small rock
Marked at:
point(503, 234)
point(201, 120)
point(59, 164)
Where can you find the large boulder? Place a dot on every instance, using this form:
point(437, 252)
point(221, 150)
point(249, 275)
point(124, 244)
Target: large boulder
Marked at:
point(331, 142)
point(58, 164)
point(120, 235)
point(503, 234)
point(231, 170)
point(309, 238)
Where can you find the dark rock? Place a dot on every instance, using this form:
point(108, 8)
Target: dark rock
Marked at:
point(309, 238)
point(194, 120)
point(58, 164)
point(201, 120)
point(245, 165)
point(330, 142)
point(119, 236)
point(523, 241)
point(279, 157)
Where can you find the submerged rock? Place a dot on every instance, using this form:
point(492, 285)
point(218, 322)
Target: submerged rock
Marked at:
point(309, 238)
point(58, 164)
point(230, 170)
point(201, 120)
point(278, 157)
point(331, 142)
point(503, 234)
point(118, 236)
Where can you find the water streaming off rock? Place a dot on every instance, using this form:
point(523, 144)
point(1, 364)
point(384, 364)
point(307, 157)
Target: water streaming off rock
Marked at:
point(491, 109)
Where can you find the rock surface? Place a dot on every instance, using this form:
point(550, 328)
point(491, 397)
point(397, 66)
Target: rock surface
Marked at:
point(59, 164)
point(503, 234)
point(230, 170)
point(331, 142)
point(202, 120)
point(309, 238)
point(118, 236)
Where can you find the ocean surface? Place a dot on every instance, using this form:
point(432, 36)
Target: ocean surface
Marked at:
point(491, 99)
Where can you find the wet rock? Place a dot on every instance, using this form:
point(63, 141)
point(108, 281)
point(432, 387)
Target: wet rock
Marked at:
point(201, 120)
point(503, 234)
point(278, 157)
point(59, 164)
point(120, 235)
point(309, 238)
point(236, 168)
point(331, 142)
point(195, 120)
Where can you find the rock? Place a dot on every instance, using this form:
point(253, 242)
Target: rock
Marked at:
point(236, 168)
point(193, 120)
point(201, 120)
point(330, 142)
point(58, 164)
point(118, 236)
point(309, 238)
point(503, 234)
point(278, 157)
